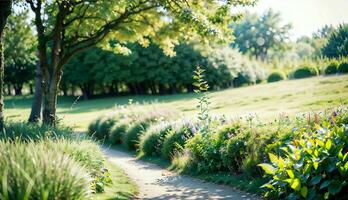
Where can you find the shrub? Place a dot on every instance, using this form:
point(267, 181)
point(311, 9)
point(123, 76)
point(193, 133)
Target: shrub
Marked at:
point(93, 127)
point(134, 131)
point(235, 151)
point(205, 150)
point(117, 131)
point(305, 71)
point(104, 126)
point(315, 165)
point(276, 76)
point(175, 139)
point(140, 123)
point(331, 68)
point(343, 67)
point(151, 141)
point(30, 171)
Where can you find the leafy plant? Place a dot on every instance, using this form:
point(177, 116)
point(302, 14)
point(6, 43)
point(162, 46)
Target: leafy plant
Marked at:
point(343, 67)
point(305, 71)
point(315, 165)
point(276, 76)
point(203, 99)
point(331, 68)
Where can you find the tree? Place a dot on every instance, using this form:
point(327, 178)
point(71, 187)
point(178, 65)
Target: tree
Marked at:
point(66, 27)
point(5, 11)
point(146, 71)
point(337, 45)
point(19, 52)
point(257, 35)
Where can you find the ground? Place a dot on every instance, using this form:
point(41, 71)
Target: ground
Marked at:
point(157, 183)
point(265, 100)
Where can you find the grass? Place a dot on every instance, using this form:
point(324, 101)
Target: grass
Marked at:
point(120, 188)
point(265, 100)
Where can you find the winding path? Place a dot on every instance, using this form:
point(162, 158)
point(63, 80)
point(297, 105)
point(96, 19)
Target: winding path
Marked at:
point(157, 183)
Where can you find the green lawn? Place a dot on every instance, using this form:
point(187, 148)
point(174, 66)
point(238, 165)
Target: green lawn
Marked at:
point(120, 188)
point(265, 100)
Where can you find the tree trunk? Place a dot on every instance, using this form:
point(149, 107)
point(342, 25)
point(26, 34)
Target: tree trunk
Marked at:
point(18, 90)
point(31, 89)
point(9, 89)
point(35, 113)
point(50, 99)
point(5, 11)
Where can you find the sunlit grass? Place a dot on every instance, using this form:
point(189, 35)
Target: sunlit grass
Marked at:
point(265, 100)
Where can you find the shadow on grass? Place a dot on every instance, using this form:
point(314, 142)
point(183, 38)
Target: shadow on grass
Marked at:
point(75, 105)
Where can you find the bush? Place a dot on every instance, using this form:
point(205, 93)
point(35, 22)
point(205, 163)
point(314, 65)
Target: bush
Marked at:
point(31, 171)
point(134, 131)
point(117, 131)
point(93, 127)
point(276, 76)
point(305, 71)
point(235, 151)
point(151, 141)
point(175, 139)
point(315, 165)
point(343, 67)
point(140, 123)
point(331, 68)
point(104, 127)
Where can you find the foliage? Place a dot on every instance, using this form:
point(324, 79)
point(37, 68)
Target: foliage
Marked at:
point(203, 100)
point(276, 76)
point(30, 171)
point(151, 141)
point(332, 68)
point(117, 131)
point(26, 132)
point(258, 35)
point(343, 67)
point(315, 165)
point(337, 45)
point(19, 51)
point(134, 131)
point(146, 71)
point(175, 139)
point(305, 71)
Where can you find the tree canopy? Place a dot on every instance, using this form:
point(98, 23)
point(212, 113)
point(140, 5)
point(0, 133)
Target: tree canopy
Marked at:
point(257, 35)
point(337, 45)
point(19, 51)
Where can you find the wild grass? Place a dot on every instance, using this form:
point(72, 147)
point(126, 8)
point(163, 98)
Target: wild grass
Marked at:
point(34, 171)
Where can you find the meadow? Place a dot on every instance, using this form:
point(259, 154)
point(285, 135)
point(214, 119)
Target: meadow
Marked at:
point(267, 101)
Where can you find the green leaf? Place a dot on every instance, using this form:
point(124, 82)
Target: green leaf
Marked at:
point(291, 173)
point(304, 191)
point(324, 184)
point(328, 144)
point(316, 165)
point(335, 187)
point(315, 180)
point(269, 169)
point(296, 184)
point(267, 185)
point(273, 158)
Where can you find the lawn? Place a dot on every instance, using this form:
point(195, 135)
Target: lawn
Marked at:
point(265, 100)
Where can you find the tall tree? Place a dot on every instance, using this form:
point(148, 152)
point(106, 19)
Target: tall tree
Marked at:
point(66, 27)
point(337, 44)
point(19, 51)
point(5, 11)
point(257, 35)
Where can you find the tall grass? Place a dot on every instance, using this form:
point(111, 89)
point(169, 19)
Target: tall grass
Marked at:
point(38, 171)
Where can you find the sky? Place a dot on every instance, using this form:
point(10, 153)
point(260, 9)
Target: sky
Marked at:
point(306, 16)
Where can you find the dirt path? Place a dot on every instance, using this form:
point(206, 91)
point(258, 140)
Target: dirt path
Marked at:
point(157, 183)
